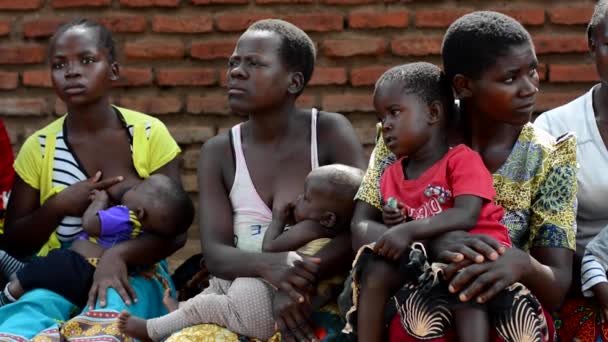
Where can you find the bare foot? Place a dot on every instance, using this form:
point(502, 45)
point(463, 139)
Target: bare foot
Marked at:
point(133, 326)
point(170, 303)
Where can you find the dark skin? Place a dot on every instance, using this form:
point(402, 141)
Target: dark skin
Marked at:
point(599, 52)
point(276, 145)
point(415, 129)
point(82, 74)
point(496, 106)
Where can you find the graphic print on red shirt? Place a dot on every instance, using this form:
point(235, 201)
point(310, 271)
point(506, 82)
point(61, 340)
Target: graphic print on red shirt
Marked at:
point(460, 172)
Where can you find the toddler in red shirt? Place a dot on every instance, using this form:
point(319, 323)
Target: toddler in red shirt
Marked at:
point(432, 188)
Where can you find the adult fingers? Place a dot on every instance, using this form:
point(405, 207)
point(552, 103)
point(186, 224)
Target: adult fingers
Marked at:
point(452, 268)
point(310, 264)
point(106, 183)
point(285, 332)
point(291, 292)
point(291, 326)
point(92, 297)
point(488, 246)
point(487, 295)
point(130, 290)
point(95, 177)
point(480, 283)
point(303, 326)
point(450, 257)
point(465, 276)
point(299, 283)
point(470, 253)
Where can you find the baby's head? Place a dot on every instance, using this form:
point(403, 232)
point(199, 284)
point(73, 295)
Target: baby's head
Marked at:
point(329, 193)
point(412, 101)
point(161, 205)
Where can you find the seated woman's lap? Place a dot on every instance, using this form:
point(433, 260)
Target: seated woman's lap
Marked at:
point(40, 310)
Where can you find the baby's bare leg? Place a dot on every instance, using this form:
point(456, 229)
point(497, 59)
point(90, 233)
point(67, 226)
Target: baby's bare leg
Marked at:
point(472, 323)
point(380, 279)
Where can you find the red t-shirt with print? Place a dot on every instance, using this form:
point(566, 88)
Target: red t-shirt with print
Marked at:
point(6, 166)
point(460, 172)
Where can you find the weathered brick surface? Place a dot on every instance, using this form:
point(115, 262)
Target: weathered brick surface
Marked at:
point(173, 55)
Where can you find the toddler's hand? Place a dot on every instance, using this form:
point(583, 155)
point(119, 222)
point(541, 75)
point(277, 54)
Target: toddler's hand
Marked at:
point(393, 243)
point(392, 213)
point(600, 292)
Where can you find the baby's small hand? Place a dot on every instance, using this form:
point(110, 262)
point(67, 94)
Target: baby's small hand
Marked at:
point(392, 212)
point(99, 196)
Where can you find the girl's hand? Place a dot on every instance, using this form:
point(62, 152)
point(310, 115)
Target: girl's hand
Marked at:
point(74, 199)
point(454, 247)
point(292, 273)
point(392, 216)
point(483, 281)
point(111, 272)
point(393, 243)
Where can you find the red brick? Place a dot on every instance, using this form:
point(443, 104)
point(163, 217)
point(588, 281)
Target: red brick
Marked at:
point(366, 76)
point(80, 3)
point(22, 53)
point(41, 27)
point(542, 72)
point(327, 76)
point(134, 77)
point(37, 78)
point(150, 3)
point(355, 2)
point(186, 77)
point(8, 80)
point(238, 22)
point(530, 16)
point(182, 24)
point(373, 20)
point(152, 104)
point(23, 107)
point(16, 5)
point(560, 44)
point(366, 131)
point(317, 22)
point(190, 158)
point(572, 73)
point(284, 1)
point(417, 46)
point(5, 27)
point(223, 77)
point(125, 23)
point(190, 183)
point(190, 135)
point(212, 49)
point(439, 17)
point(549, 100)
point(306, 101)
point(346, 103)
point(208, 104)
point(571, 15)
point(161, 49)
point(353, 47)
point(223, 2)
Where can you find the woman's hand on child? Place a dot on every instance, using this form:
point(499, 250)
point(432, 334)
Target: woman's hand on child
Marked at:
point(393, 243)
point(454, 247)
point(393, 216)
point(483, 281)
point(293, 320)
point(74, 199)
point(111, 272)
point(293, 273)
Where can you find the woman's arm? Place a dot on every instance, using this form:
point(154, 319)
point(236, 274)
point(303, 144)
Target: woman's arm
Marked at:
point(29, 225)
point(365, 226)
point(223, 259)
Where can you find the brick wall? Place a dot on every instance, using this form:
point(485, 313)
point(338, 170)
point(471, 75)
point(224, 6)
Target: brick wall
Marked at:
point(173, 54)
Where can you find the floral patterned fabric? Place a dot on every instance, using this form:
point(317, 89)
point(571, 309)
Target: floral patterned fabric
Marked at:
point(536, 186)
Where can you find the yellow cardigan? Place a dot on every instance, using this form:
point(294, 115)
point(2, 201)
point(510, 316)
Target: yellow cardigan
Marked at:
point(153, 147)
